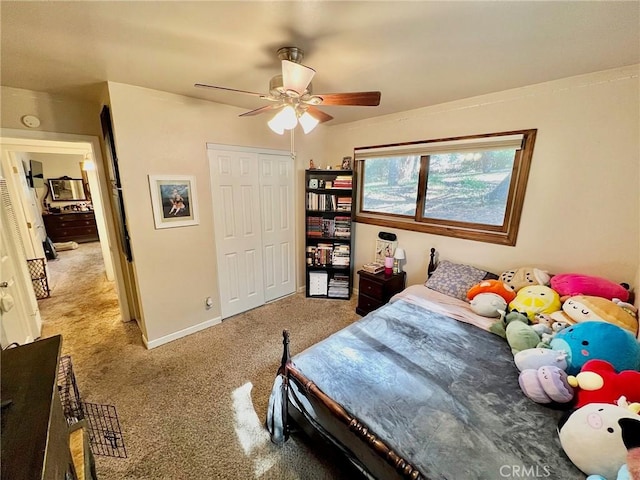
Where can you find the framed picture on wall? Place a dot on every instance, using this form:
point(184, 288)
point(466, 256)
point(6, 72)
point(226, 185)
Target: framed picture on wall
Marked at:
point(174, 200)
point(384, 248)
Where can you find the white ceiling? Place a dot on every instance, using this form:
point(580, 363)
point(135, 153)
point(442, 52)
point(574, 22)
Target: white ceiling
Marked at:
point(417, 53)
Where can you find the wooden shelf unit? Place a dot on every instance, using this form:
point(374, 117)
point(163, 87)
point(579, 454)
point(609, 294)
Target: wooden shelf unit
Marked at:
point(329, 233)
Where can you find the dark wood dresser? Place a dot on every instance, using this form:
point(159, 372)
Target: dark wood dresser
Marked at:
point(35, 436)
point(374, 290)
point(72, 226)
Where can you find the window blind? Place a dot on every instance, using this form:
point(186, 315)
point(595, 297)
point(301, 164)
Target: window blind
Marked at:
point(502, 142)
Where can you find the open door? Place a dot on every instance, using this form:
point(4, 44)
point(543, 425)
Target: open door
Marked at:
point(19, 315)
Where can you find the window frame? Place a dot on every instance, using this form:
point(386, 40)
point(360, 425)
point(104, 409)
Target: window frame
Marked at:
point(505, 234)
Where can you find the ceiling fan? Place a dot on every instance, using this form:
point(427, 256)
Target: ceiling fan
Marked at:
point(292, 95)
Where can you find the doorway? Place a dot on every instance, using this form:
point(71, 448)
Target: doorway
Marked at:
point(15, 148)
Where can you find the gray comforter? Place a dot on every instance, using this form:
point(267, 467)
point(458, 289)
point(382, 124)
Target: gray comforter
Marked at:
point(441, 393)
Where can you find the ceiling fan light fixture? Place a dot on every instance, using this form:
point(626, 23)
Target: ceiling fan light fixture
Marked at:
point(308, 122)
point(296, 77)
point(288, 117)
point(285, 119)
point(275, 126)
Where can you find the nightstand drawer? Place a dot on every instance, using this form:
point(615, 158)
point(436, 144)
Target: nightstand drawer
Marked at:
point(367, 304)
point(370, 287)
point(375, 289)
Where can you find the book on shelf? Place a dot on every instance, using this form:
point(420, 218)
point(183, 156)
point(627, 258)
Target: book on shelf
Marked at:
point(324, 252)
point(343, 204)
point(343, 181)
point(339, 286)
point(341, 256)
point(322, 202)
point(338, 227)
point(373, 267)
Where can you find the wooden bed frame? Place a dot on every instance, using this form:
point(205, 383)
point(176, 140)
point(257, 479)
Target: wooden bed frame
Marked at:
point(290, 373)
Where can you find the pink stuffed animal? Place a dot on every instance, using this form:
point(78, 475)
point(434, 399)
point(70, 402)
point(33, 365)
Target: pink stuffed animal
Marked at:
point(571, 284)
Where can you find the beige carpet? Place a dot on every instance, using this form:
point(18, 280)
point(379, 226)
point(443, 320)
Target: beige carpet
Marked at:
point(194, 408)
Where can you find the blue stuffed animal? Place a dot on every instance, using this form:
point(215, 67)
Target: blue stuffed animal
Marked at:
point(597, 340)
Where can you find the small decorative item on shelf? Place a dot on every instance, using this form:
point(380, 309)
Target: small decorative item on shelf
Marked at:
point(311, 164)
point(346, 163)
point(388, 265)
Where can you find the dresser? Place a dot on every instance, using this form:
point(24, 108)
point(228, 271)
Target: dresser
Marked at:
point(72, 226)
point(35, 436)
point(376, 289)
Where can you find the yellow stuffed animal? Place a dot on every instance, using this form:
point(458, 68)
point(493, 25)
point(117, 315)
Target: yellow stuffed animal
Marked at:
point(534, 300)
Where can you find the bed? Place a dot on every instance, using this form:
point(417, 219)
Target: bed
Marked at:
point(419, 389)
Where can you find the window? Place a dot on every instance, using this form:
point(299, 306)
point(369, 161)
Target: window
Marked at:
point(465, 187)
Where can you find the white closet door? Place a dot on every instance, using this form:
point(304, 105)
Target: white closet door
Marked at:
point(278, 229)
point(236, 213)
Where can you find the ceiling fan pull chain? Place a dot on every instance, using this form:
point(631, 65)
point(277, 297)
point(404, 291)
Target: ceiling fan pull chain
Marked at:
point(293, 145)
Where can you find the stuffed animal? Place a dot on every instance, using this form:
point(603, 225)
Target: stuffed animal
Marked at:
point(571, 284)
point(591, 437)
point(520, 335)
point(525, 276)
point(488, 304)
point(583, 307)
point(597, 340)
point(546, 337)
point(534, 300)
point(492, 286)
point(631, 439)
point(546, 384)
point(598, 382)
point(542, 329)
point(626, 306)
point(543, 319)
point(500, 326)
point(534, 358)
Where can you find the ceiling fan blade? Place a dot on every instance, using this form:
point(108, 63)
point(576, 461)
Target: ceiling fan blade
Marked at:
point(202, 85)
point(365, 99)
point(258, 111)
point(319, 114)
point(296, 76)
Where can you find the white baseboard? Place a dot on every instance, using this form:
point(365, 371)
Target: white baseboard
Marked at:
point(182, 333)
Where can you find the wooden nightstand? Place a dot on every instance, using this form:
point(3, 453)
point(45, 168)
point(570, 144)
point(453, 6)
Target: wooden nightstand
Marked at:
point(375, 290)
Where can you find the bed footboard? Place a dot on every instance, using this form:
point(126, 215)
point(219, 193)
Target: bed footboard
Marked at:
point(289, 372)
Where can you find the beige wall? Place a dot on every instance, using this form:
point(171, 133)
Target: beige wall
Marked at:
point(56, 114)
point(158, 133)
point(581, 208)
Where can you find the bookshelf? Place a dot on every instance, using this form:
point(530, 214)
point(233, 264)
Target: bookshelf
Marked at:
point(329, 233)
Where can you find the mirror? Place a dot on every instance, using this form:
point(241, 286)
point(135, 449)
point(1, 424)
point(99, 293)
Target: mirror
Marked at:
point(66, 189)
